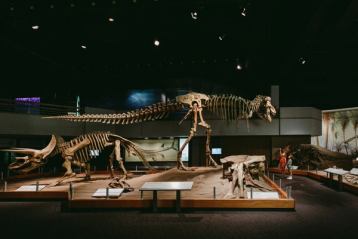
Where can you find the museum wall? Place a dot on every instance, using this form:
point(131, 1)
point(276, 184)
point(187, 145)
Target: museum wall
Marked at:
point(28, 124)
point(295, 124)
point(230, 145)
point(339, 131)
point(252, 145)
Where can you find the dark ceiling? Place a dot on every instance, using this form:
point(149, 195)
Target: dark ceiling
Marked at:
point(308, 47)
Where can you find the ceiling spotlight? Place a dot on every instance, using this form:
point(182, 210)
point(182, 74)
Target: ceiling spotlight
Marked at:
point(302, 60)
point(83, 47)
point(72, 5)
point(110, 19)
point(194, 15)
point(32, 7)
point(52, 6)
point(12, 8)
point(243, 12)
point(35, 27)
point(156, 43)
point(239, 67)
point(93, 4)
point(221, 37)
point(114, 2)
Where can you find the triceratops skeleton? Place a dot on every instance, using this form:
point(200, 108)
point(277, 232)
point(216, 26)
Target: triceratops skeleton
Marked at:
point(229, 107)
point(77, 152)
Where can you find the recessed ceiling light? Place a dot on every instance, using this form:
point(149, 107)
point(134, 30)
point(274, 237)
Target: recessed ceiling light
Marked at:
point(194, 15)
point(156, 43)
point(302, 60)
point(83, 47)
point(221, 37)
point(35, 27)
point(114, 2)
point(239, 67)
point(32, 7)
point(243, 12)
point(52, 6)
point(72, 5)
point(110, 19)
point(12, 8)
point(93, 4)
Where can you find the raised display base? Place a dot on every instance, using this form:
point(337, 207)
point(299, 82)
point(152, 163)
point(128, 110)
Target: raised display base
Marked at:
point(208, 191)
point(321, 176)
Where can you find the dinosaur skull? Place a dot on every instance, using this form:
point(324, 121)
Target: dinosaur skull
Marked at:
point(266, 110)
point(193, 97)
point(34, 158)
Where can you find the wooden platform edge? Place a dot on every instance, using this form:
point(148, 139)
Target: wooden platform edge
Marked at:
point(321, 178)
point(185, 203)
point(38, 196)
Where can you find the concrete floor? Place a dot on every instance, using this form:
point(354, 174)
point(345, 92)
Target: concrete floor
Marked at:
point(321, 212)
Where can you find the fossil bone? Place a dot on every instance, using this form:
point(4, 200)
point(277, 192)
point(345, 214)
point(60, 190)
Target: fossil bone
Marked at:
point(77, 152)
point(227, 107)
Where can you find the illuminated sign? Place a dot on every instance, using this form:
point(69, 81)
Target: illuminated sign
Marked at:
point(28, 100)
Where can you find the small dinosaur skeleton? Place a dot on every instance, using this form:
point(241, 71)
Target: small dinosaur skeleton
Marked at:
point(77, 152)
point(245, 170)
point(229, 107)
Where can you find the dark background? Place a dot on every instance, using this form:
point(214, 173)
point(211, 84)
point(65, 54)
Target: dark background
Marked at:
point(308, 47)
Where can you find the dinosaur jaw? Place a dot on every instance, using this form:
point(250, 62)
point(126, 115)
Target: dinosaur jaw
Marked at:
point(24, 165)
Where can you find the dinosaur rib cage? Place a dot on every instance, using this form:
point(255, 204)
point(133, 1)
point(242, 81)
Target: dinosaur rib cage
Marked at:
point(229, 107)
point(152, 112)
point(98, 141)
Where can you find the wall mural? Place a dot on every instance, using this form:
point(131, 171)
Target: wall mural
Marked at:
point(165, 150)
point(339, 131)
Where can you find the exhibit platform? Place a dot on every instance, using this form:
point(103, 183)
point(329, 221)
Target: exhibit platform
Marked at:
point(321, 176)
point(209, 191)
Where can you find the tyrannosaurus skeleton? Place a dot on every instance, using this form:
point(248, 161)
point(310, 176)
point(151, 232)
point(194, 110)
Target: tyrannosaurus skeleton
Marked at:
point(78, 152)
point(229, 107)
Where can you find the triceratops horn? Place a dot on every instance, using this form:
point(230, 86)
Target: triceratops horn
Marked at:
point(20, 150)
point(49, 148)
point(44, 152)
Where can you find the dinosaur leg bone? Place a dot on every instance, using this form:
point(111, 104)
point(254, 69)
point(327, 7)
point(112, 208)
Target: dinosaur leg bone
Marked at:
point(209, 158)
point(68, 174)
point(110, 161)
point(194, 109)
point(180, 164)
point(117, 153)
point(120, 181)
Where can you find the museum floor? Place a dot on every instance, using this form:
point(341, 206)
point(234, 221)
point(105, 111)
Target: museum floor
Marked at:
point(321, 212)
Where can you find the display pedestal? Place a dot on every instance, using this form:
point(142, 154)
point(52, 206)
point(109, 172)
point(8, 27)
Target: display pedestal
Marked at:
point(208, 191)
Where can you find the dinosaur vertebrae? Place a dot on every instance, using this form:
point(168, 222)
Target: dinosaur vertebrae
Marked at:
point(152, 112)
point(231, 107)
point(98, 141)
